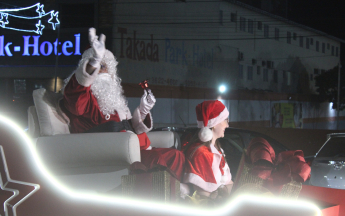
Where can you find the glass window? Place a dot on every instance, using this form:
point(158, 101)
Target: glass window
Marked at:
point(20, 86)
point(275, 76)
point(328, 46)
point(266, 31)
point(311, 41)
point(294, 36)
point(337, 51)
point(258, 70)
point(288, 78)
point(333, 148)
point(242, 24)
point(332, 50)
point(240, 71)
point(323, 47)
point(301, 41)
point(233, 17)
point(259, 25)
point(265, 75)
point(250, 26)
point(250, 73)
point(221, 17)
point(307, 43)
point(317, 46)
point(288, 37)
point(276, 33)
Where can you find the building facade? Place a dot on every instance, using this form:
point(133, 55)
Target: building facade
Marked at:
point(186, 49)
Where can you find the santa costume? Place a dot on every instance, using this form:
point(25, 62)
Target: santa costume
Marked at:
point(95, 100)
point(206, 167)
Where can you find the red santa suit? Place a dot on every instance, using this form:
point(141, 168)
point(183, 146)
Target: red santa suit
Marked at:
point(82, 107)
point(206, 167)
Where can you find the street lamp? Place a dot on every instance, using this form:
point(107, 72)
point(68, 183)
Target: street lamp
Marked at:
point(222, 88)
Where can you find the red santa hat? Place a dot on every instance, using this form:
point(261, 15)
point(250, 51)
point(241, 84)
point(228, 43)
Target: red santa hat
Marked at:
point(209, 114)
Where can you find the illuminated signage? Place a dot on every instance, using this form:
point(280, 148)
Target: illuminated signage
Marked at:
point(13, 18)
point(32, 46)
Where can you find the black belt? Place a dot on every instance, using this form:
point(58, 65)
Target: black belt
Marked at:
point(111, 126)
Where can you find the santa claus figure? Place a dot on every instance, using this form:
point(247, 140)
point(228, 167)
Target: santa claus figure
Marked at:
point(94, 102)
point(206, 167)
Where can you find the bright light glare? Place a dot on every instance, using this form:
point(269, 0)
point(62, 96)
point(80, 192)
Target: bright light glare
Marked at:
point(222, 89)
point(148, 206)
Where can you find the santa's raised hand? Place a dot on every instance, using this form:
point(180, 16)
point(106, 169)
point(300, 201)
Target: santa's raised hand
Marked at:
point(98, 46)
point(147, 102)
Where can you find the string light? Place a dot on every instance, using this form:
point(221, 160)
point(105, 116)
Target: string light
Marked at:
point(230, 208)
point(6, 16)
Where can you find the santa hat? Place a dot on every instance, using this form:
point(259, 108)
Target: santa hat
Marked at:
point(209, 114)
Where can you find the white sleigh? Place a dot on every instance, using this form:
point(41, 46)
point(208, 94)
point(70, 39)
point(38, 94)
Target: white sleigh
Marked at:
point(86, 161)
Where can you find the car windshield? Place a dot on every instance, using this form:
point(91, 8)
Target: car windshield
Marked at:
point(335, 147)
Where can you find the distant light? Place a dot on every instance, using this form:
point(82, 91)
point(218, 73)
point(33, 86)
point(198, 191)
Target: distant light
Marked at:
point(222, 89)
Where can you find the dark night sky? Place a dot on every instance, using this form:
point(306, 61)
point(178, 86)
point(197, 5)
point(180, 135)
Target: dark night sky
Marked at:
point(327, 16)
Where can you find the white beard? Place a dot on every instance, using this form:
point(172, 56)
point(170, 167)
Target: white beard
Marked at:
point(109, 94)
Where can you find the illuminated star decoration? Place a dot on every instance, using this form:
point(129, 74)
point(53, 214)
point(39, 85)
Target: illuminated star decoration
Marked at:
point(3, 19)
point(40, 10)
point(17, 15)
point(40, 27)
point(5, 179)
point(54, 16)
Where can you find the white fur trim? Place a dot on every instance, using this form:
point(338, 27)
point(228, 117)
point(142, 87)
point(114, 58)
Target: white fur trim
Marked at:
point(83, 77)
point(125, 115)
point(205, 134)
point(213, 122)
point(198, 181)
point(220, 179)
point(138, 124)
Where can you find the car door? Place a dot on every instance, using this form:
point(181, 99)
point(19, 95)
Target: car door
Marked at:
point(327, 168)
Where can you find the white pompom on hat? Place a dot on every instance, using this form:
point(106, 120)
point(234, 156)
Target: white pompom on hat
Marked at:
point(209, 114)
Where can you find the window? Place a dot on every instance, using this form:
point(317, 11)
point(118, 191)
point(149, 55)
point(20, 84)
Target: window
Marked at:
point(328, 46)
point(288, 78)
point(337, 51)
point(323, 48)
point(240, 71)
point(266, 31)
point(221, 17)
point(233, 17)
point(294, 36)
point(259, 25)
point(311, 77)
point(301, 41)
point(275, 76)
point(276, 34)
point(20, 86)
point(316, 71)
point(265, 74)
point(250, 26)
point(307, 43)
point(288, 37)
point(250, 73)
point(332, 50)
point(311, 41)
point(242, 24)
point(258, 70)
point(317, 46)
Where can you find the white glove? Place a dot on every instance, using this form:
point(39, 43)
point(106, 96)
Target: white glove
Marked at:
point(98, 47)
point(146, 103)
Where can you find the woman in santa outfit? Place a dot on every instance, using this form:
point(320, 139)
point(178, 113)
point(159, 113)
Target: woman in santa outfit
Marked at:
point(206, 168)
